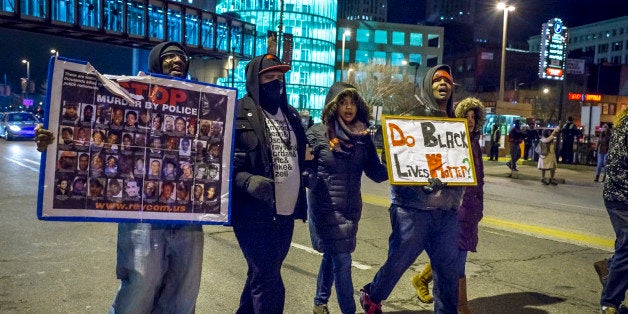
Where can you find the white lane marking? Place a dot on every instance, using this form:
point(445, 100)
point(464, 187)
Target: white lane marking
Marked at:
point(35, 162)
point(570, 205)
point(313, 251)
point(19, 163)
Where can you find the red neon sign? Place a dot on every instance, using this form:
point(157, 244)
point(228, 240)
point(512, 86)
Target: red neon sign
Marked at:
point(587, 97)
point(554, 72)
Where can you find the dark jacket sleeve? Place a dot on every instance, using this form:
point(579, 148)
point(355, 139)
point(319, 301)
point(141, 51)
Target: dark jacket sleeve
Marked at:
point(375, 169)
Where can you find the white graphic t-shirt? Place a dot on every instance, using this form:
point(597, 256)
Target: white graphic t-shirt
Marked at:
point(283, 145)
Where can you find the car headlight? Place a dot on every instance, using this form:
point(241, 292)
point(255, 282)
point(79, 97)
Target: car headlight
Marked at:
point(14, 128)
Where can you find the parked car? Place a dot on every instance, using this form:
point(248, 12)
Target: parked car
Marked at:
point(18, 125)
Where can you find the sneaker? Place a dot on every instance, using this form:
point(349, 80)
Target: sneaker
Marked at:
point(553, 182)
point(601, 268)
point(368, 305)
point(320, 309)
point(545, 181)
point(609, 310)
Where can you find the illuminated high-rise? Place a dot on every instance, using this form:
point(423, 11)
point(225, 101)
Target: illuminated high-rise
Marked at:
point(313, 25)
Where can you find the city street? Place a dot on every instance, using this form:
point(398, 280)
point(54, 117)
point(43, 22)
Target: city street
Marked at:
point(537, 247)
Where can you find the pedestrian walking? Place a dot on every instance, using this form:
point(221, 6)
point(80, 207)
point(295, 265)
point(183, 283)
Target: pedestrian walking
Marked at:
point(423, 218)
point(496, 135)
point(343, 150)
point(470, 212)
point(602, 151)
point(547, 155)
point(515, 137)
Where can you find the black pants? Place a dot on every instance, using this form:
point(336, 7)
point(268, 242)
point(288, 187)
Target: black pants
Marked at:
point(265, 246)
point(494, 153)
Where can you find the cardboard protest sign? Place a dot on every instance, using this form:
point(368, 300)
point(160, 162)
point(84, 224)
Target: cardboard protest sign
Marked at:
point(145, 148)
point(419, 148)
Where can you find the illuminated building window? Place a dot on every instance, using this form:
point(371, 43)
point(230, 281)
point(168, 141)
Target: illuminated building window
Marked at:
point(363, 36)
point(416, 39)
point(379, 57)
point(398, 38)
point(381, 37)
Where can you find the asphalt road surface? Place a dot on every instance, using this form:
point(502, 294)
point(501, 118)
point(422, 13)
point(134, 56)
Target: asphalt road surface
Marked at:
point(535, 254)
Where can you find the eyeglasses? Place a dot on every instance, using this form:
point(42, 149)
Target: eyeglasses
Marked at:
point(172, 56)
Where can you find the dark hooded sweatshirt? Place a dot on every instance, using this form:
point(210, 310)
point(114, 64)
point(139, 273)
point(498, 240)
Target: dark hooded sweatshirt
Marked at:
point(252, 139)
point(448, 198)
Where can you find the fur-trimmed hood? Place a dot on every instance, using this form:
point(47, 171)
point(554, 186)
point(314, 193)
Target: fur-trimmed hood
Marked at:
point(477, 106)
point(336, 92)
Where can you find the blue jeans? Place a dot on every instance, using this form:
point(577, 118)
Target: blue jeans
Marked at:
point(159, 267)
point(601, 162)
point(336, 267)
point(265, 246)
point(413, 230)
point(461, 261)
point(616, 285)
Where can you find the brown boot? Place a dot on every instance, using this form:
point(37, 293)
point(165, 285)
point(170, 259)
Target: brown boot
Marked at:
point(463, 305)
point(421, 283)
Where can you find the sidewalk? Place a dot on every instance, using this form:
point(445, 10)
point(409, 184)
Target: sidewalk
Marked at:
point(565, 174)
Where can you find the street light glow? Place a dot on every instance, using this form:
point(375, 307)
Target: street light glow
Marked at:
point(342, 62)
point(54, 52)
point(502, 75)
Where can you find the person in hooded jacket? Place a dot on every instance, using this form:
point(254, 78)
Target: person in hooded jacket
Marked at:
point(469, 213)
point(423, 217)
point(268, 192)
point(343, 150)
point(159, 265)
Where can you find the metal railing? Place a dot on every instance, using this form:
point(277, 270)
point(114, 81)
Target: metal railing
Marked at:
point(134, 23)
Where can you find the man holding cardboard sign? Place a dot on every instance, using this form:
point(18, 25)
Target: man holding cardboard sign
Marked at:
point(423, 217)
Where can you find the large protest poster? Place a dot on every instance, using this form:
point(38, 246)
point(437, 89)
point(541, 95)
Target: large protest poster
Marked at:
point(145, 148)
point(420, 148)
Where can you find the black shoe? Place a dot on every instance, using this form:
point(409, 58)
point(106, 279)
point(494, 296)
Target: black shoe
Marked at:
point(515, 169)
point(553, 182)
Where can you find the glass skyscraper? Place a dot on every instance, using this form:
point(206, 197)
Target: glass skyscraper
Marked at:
point(313, 25)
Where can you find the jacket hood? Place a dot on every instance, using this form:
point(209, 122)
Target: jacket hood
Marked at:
point(252, 80)
point(154, 62)
point(477, 106)
point(337, 91)
point(427, 94)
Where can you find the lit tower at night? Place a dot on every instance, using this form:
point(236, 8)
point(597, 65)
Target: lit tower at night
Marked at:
point(313, 27)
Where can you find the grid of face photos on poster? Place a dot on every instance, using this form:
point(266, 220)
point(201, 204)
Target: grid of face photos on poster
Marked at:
point(144, 157)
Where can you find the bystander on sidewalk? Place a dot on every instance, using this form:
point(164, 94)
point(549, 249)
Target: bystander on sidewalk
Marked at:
point(565, 173)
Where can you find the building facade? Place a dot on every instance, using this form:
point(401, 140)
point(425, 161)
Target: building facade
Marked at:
point(597, 43)
point(313, 27)
point(412, 48)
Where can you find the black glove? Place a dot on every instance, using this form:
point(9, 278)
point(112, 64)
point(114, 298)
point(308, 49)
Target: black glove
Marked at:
point(309, 178)
point(435, 185)
point(262, 188)
point(239, 160)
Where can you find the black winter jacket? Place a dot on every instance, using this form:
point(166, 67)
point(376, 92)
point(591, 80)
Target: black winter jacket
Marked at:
point(251, 138)
point(334, 197)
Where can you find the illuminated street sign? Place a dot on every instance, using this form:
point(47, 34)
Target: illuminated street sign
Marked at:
point(553, 50)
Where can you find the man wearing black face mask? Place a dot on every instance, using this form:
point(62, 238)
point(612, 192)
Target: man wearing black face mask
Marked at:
point(268, 194)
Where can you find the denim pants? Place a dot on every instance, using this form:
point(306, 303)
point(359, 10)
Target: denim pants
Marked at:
point(413, 230)
point(265, 246)
point(601, 162)
point(336, 267)
point(159, 267)
point(614, 291)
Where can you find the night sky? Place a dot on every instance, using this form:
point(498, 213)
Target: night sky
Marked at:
point(528, 16)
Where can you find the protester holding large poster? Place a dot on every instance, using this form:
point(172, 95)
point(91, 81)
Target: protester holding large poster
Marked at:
point(166, 277)
point(423, 217)
point(268, 194)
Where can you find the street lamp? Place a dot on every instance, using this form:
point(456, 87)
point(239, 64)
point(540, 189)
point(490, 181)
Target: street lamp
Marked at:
point(416, 71)
point(54, 52)
point(28, 69)
point(342, 62)
point(502, 75)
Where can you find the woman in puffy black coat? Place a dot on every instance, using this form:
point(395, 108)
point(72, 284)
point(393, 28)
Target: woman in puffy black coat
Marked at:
point(343, 150)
